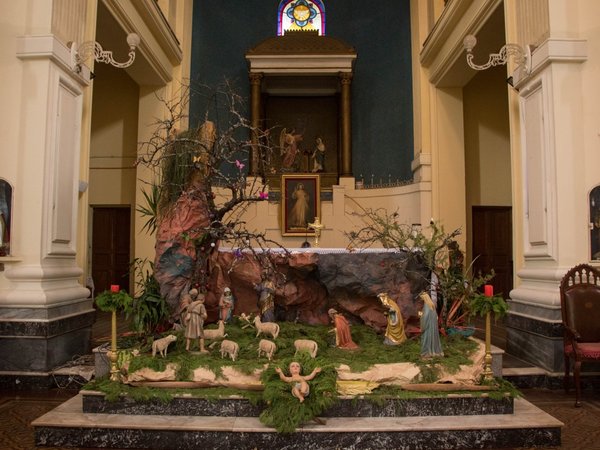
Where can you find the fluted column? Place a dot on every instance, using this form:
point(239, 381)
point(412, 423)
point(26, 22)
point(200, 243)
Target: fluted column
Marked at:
point(255, 83)
point(346, 125)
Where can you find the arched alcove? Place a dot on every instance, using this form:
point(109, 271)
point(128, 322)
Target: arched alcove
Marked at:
point(5, 216)
point(595, 223)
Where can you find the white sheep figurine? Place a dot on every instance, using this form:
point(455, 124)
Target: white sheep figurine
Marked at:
point(229, 348)
point(306, 345)
point(218, 333)
point(268, 328)
point(161, 345)
point(267, 348)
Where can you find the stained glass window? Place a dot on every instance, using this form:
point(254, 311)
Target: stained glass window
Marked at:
point(299, 15)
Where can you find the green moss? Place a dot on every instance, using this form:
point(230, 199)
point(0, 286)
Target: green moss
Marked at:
point(457, 351)
point(282, 410)
point(113, 391)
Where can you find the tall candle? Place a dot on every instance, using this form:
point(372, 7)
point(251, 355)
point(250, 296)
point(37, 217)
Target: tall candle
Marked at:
point(488, 290)
point(114, 288)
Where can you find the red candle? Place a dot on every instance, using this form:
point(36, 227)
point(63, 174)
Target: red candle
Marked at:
point(488, 290)
point(114, 288)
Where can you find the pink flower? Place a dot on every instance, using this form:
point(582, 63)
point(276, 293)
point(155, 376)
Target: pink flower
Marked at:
point(239, 165)
point(264, 195)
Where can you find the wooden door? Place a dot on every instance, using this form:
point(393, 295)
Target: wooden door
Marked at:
point(492, 245)
point(110, 247)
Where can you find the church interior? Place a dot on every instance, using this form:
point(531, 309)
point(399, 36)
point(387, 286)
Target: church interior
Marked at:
point(469, 121)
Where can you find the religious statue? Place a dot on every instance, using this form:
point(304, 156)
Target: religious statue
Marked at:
point(394, 333)
point(343, 337)
point(299, 213)
point(300, 387)
point(318, 156)
point(194, 320)
point(5, 192)
point(226, 304)
point(317, 226)
point(266, 298)
point(288, 143)
point(430, 335)
point(3, 234)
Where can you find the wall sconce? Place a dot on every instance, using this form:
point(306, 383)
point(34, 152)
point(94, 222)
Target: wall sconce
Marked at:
point(86, 49)
point(522, 56)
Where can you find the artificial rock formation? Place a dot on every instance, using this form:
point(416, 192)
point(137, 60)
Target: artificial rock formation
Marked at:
point(309, 283)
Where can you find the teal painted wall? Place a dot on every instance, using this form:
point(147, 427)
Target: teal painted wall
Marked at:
point(382, 122)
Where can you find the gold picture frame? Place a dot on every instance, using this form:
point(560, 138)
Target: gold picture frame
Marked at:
point(300, 203)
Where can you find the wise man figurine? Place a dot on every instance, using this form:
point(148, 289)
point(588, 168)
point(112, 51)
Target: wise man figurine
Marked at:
point(317, 226)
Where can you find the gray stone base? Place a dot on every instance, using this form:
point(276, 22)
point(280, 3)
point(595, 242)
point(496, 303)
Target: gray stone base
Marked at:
point(69, 426)
point(42, 344)
point(302, 440)
point(454, 405)
point(536, 341)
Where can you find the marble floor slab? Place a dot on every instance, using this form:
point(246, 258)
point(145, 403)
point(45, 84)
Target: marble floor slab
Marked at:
point(68, 425)
point(70, 414)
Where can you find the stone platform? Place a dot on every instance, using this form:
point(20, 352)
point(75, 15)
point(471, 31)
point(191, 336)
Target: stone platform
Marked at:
point(456, 421)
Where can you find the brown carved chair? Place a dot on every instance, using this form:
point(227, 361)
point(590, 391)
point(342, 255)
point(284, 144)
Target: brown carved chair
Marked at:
point(580, 306)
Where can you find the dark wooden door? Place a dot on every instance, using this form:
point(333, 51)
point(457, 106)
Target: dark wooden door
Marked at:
point(492, 245)
point(110, 247)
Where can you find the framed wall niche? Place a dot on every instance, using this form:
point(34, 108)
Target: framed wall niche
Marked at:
point(300, 91)
point(5, 216)
point(595, 224)
point(304, 134)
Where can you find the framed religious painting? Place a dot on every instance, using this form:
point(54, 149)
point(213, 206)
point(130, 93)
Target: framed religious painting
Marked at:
point(300, 204)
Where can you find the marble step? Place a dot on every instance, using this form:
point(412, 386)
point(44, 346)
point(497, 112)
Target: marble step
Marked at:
point(451, 405)
point(68, 425)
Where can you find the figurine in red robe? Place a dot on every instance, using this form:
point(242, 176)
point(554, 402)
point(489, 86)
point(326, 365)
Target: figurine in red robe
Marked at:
point(343, 338)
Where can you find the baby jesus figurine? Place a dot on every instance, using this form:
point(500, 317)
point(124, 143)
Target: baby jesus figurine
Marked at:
point(300, 387)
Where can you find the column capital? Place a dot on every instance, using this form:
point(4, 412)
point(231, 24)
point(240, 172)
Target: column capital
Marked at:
point(345, 77)
point(255, 77)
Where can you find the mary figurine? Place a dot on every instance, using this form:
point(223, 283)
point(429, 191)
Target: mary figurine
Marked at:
point(430, 335)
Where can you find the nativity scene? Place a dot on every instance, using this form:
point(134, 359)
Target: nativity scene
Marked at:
point(239, 306)
point(292, 265)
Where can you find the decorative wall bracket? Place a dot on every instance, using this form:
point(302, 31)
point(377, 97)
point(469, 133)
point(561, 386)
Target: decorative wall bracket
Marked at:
point(522, 56)
point(79, 54)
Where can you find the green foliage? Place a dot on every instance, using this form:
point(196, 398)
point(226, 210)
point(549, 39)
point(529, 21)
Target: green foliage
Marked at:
point(433, 248)
point(150, 209)
point(149, 309)
point(481, 305)
point(428, 243)
point(114, 391)
point(109, 301)
point(457, 287)
point(284, 411)
point(457, 350)
point(504, 388)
